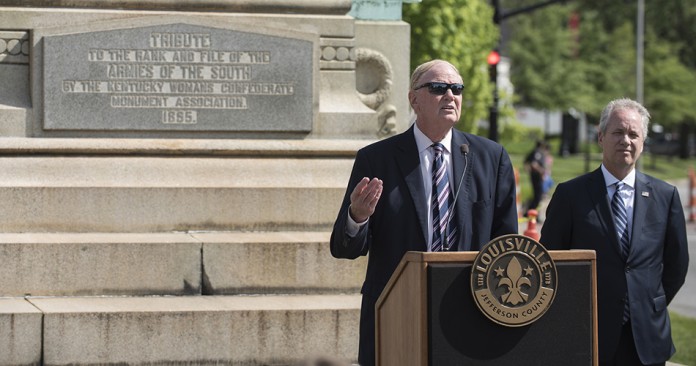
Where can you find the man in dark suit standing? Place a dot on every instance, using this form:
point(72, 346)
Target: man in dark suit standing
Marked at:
point(635, 223)
point(431, 188)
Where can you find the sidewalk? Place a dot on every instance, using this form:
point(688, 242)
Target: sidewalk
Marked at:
point(685, 301)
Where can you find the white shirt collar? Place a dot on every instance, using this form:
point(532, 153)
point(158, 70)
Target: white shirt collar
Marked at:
point(609, 179)
point(423, 142)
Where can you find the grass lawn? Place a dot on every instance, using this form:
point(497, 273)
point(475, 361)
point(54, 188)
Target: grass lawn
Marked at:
point(565, 168)
point(684, 335)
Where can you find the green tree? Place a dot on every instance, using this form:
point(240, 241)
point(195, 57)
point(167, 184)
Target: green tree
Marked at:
point(670, 20)
point(556, 69)
point(669, 84)
point(545, 69)
point(461, 32)
point(674, 20)
point(607, 60)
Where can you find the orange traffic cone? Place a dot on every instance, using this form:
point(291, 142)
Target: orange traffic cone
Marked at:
point(692, 195)
point(531, 225)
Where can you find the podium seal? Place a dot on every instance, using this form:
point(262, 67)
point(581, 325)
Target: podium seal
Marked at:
point(513, 280)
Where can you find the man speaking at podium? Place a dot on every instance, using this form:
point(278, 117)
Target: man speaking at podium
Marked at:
point(431, 188)
point(635, 223)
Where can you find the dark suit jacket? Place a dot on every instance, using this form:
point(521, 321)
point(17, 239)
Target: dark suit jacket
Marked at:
point(579, 217)
point(485, 209)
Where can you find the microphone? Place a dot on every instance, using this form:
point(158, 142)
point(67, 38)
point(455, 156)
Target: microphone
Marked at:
point(464, 148)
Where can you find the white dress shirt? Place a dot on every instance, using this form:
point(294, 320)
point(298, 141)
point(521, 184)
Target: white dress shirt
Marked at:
point(426, 155)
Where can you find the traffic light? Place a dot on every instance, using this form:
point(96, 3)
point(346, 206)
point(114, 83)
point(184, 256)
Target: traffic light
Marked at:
point(493, 60)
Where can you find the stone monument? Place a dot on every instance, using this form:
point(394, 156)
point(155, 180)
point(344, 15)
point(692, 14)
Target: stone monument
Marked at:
point(171, 170)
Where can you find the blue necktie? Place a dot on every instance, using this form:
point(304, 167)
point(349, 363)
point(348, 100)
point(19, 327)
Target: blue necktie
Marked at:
point(440, 204)
point(621, 222)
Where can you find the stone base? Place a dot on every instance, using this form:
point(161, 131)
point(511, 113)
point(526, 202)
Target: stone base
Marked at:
point(63, 185)
point(207, 330)
point(211, 263)
point(20, 332)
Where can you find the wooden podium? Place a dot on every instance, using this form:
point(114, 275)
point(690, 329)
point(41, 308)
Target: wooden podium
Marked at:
point(426, 315)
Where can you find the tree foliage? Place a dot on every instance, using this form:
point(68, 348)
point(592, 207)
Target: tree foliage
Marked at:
point(607, 61)
point(556, 68)
point(463, 33)
point(544, 69)
point(670, 89)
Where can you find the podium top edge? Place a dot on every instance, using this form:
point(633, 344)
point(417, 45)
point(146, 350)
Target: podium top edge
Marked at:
point(452, 257)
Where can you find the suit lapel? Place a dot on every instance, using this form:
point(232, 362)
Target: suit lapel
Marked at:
point(409, 164)
point(642, 202)
point(459, 163)
point(598, 194)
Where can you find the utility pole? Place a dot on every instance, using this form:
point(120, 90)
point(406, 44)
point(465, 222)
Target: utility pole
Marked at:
point(493, 74)
point(493, 60)
point(640, 46)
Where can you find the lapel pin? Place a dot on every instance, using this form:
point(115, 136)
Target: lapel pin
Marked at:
point(645, 194)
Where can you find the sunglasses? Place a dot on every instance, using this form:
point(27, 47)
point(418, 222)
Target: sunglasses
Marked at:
point(441, 88)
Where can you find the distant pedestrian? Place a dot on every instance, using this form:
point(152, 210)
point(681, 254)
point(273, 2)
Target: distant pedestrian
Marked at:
point(535, 164)
point(547, 182)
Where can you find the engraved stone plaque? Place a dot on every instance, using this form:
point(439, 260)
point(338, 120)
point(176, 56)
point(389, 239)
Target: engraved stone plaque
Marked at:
point(178, 77)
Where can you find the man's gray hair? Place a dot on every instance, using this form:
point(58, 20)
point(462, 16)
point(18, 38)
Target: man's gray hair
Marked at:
point(423, 68)
point(621, 104)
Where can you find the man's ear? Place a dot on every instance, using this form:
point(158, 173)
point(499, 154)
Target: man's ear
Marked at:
point(412, 99)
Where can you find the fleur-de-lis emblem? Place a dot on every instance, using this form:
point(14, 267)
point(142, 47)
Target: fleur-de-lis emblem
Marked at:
point(514, 282)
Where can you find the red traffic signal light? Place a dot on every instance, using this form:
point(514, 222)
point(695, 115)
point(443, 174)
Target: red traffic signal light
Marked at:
point(493, 58)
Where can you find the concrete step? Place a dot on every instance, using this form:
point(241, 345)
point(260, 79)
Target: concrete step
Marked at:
point(69, 264)
point(76, 264)
point(276, 262)
point(161, 194)
point(190, 330)
point(90, 185)
point(20, 332)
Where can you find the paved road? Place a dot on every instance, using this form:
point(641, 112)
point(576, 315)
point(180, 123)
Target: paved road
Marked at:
point(685, 301)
